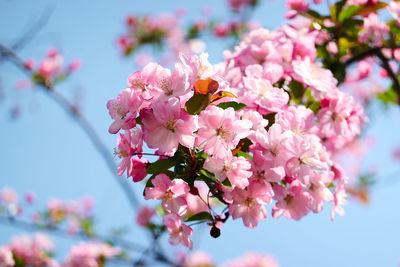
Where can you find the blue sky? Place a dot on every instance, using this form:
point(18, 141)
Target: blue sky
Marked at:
point(45, 152)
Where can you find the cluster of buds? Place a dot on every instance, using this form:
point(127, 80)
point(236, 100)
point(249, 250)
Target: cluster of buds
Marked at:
point(51, 69)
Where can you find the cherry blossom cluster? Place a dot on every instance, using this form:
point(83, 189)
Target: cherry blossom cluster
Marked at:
point(167, 31)
point(76, 215)
point(51, 69)
point(37, 251)
point(260, 128)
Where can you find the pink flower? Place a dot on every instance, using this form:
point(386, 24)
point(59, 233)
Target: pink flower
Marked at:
point(172, 193)
point(30, 197)
point(198, 259)
point(309, 158)
point(129, 144)
point(8, 196)
point(163, 84)
point(374, 30)
point(34, 251)
point(320, 80)
point(6, 257)
point(144, 215)
point(236, 169)
point(262, 96)
point(90, 254)
point(319, 194)
point(253, 260)
point(297, 5)
point(179, 232)
point(249, 204)
point(394, 9)
point(220, 131)
point(138, 169)
point(293, 203)
point(167, 124)
point(339, 197)
point(124, 110)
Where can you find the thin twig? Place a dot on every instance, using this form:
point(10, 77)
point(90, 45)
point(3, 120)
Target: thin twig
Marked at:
point(80, 119)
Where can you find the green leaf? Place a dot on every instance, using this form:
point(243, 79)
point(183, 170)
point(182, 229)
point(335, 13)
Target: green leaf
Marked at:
point(200, 217)
point(336, 8)
point(197, 103)
point(227, 183)
point(331, 185)
point(159, 166)
point(243, 154)
point(348, 12)
point(389, 96)
point(232, 104)
point(297, 91)
point(312, 14)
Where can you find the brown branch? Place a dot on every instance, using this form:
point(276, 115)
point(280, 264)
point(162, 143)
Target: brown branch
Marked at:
point(80, 119)
point(377, 51)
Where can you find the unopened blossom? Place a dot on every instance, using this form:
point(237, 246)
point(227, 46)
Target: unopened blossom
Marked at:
point(236, 169)
point(179, 232)
point(144, 215)
point(249, 204)
point(171, 192)
point(166, 125)
point(293, 203)
point(138, 169)
point(220, 131)
point(124, 110)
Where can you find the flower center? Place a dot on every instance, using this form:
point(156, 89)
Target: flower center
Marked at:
point(171, 125)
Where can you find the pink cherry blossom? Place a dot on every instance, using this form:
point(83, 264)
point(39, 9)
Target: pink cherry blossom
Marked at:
point(236, 169)
point(252, 259)
point(89, 254)
point(144, 215)
point(167, 124)
point(124, 110)
point(374, 30)
point(6, 257)
point(249, 204)
point(172, 193)
point(394, 9)
point(138, 169)
point(179, 232)
point(129, 144)
point(293, 203)
point(220, 131)
point(320, 80)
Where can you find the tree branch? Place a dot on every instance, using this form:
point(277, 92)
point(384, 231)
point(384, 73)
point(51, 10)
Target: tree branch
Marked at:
point(80, 119)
